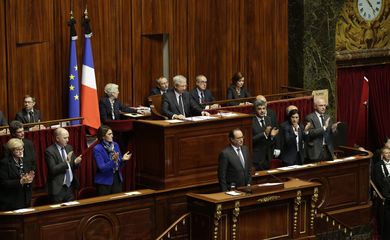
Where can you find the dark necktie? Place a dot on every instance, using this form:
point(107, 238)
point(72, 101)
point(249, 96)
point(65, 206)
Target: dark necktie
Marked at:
point(262, 122)
point(67, 173)
point(239, 153)
point(181, 105)
point(31, 114)
point(322, 120)
point(202, 97)
point(385, 171)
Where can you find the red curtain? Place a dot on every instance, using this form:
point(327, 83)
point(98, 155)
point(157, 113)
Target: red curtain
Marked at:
point(379, 114)
point(350, 108)
point(366, 127)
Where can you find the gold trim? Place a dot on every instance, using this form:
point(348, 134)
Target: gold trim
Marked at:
point(297, 203)
point(314, 200)
point(268, 199)
point(353, 33)
point(217, 217)
point(236, 213)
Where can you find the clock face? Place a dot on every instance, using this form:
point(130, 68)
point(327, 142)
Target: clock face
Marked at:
point(369, 9)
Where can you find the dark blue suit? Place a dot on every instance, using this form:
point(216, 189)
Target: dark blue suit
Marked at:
point(23, 116)
point(263, 147)
point(230, 169)
point(208, 96)
point(170, 106)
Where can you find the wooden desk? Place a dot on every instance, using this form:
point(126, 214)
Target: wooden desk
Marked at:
point(285, 213)
point(182, 154)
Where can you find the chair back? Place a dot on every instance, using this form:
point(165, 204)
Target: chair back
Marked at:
point(155, 107)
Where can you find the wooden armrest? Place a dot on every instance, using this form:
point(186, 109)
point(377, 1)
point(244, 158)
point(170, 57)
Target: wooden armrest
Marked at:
point(156, 114)
point(377, 191)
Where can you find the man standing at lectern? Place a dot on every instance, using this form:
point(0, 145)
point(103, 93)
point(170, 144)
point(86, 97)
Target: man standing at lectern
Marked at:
point(234, 167)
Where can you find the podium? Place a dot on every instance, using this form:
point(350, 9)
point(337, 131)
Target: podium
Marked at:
point(183, 154)
point(286, 213)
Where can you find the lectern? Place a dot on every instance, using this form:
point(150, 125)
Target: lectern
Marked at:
point(186, 153)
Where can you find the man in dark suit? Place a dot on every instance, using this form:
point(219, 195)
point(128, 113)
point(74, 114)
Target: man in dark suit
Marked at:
point(234, 166)
point(29, 114)
point(263, 137)
point(161, 88)
point(381, 177)
point(270, 113)
point(201, 94)
point(110, 107)
point(61, 163)
point(177, 103)
point(319, 145)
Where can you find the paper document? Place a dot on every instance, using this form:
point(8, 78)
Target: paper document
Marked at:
point(133, 193)
point(227, 114)
point(133, 114)
point(233, 193)
point(174, 121)
point(24, 210)
point(70, 203)
point(199, 118)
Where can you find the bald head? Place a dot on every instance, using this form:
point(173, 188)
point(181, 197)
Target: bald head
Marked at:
point(62, 136)
point(291, 107)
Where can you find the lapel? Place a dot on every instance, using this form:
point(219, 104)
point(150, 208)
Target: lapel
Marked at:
point(12, 167)
point(174, 99)
point(25, 116)
point(237, 160)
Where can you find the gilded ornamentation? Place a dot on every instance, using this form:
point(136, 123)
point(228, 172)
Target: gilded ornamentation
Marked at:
point(268, 199)
point(297, 203)
point(314, 200)
point(236, 212)
point(217, 217)
point(354, 33)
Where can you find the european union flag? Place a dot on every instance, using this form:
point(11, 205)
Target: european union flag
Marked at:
point(73, 82)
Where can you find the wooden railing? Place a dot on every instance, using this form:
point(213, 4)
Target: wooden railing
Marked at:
point(182, 222)
point(47, 124)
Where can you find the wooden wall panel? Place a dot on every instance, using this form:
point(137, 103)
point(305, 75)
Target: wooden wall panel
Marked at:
point(207, 50)
point(3, 61)
point(30, 64)
point(215, 38)
point(262, 35)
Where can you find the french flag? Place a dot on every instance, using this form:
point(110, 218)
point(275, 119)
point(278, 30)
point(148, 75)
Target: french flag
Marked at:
point(89, 98)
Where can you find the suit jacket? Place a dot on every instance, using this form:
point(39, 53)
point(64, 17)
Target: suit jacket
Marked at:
point(232, 94)
point(155, 91)
point(23, 117)
point(230, 169)
point(13, 194)
point(380, 179)
point(56, 169)
point(170, 106)
point(28, 153)
point(208, 96)
point(263, 147)
point(106, 110)
point(106, 166)
point(3, 121)
point(289, 144)
point(316, 135)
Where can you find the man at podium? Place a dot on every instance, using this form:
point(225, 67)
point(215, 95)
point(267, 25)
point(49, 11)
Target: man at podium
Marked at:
point(234, 169)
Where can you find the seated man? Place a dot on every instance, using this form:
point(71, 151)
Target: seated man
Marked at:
point(201, 94)
point(234, 168)
point(161, 88)
point(28, 114)
point(110, 107)
point(177, 103)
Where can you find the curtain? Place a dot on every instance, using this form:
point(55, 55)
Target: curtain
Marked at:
point(350, 109)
